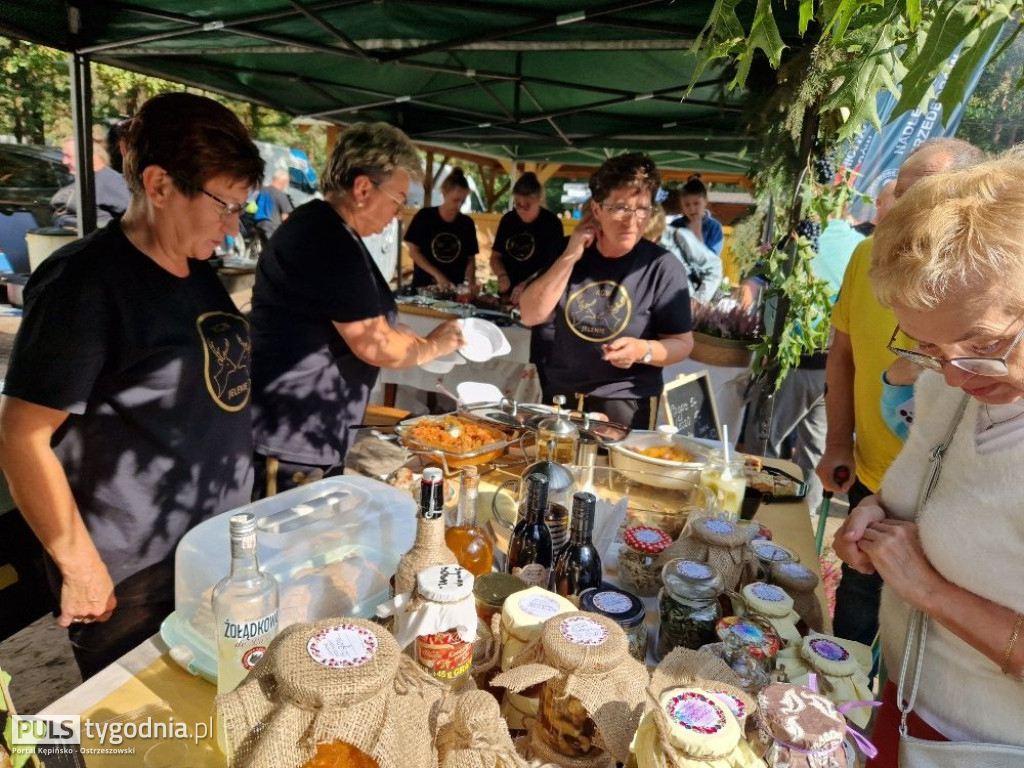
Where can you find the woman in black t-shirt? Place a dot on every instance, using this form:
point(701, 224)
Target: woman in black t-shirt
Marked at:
point(620, 304)
point(442, 241)
point(323, 316)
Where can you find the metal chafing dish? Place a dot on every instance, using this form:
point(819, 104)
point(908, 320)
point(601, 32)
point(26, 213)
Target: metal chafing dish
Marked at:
point(517, 418)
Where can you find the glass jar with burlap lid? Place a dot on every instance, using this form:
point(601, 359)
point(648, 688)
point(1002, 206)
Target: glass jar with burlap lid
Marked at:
point(685, 668)
point(773, 605)
point(593, 691)
point(719, 543)
point(331, 685)
point(800, 582)
point(841, 667)
point(801, 729)
point(763, 554)
point(477, 736)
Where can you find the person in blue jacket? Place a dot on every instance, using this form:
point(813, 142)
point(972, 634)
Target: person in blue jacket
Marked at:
point(696, 216)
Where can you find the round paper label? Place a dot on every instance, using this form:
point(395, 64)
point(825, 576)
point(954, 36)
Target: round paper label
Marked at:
point(793, 570)
point(829, 650)
point(579, 630)
point(719, 526)
point(768, 592)
point(734, 703)
point(539, 606)
point(343, 645)
point(612, 602)
point(771, 552)
point(692, 570)
point(695, 711)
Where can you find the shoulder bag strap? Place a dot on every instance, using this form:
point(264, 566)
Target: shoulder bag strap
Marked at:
point(917, 630)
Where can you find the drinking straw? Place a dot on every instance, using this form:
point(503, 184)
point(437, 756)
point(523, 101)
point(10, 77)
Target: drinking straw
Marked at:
point(726, 473)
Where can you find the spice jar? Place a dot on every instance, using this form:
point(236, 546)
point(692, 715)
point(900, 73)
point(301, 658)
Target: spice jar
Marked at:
point(842, 668)
point(492, 590)
point(764, 555)
point(624, 609)
point(800, 582)
point(638, 568)
point(760, 642)
point(689, 605)
point(771, 603)
point(719, 543)
point(801, 729)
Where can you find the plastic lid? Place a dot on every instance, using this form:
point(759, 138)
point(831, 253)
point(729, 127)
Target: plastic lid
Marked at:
point(620, 606)
point(690, 580)
point(445, 583)
point(645, 538)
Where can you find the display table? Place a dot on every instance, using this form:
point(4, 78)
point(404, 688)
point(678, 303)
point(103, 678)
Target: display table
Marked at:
point(147, 686)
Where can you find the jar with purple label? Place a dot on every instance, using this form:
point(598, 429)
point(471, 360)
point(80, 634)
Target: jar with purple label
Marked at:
point(765, 554)
point(624, 609)
point(689, 605)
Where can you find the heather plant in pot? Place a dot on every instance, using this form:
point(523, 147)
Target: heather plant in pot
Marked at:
point(724, 333)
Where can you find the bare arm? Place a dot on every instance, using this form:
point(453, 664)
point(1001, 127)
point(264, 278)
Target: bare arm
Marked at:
point(41, 490)
point(538, 301)
point(498, 268)
point(839, 373)
point(471, 271)
point(377, 343)
point(425, 264)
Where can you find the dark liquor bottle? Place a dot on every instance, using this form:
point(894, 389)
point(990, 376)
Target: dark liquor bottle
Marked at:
point(529, 550)
point(578, 565)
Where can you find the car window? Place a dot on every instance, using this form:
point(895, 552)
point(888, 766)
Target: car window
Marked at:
point(17, 170)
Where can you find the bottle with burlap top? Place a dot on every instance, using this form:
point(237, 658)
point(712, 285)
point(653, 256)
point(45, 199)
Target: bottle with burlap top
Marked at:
point(592, 694)
point(331, 689)
point(801, 729)
point(719, 543)
point(841, 667)
point(476, 736)
point(429, 549)
point(799, 581)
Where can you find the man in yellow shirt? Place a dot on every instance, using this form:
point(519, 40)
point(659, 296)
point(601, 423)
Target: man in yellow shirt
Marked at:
point(858, 437)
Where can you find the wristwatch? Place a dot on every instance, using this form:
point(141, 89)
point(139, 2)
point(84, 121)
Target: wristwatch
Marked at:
point(649, 356)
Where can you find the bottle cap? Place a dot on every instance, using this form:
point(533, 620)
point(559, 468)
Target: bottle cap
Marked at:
point(620, 606)
point(445, 583)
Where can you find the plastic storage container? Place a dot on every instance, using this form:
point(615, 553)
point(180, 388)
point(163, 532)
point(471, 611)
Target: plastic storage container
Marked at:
point(332, 545)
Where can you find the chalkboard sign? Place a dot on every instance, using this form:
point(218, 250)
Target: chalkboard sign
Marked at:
point(688, 404)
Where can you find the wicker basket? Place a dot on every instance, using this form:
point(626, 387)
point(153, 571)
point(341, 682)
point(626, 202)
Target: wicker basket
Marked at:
point(729, 353)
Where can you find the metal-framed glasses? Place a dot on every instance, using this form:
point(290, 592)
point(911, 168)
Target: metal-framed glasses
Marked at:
point(226, 208)
point(399, 202)
point(981, 366)
point(621, 212)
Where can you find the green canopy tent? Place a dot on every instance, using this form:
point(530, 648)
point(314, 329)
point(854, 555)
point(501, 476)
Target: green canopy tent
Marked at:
point(547, 81)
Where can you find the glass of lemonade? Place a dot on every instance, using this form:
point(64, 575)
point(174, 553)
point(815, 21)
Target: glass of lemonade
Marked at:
point(726, 482)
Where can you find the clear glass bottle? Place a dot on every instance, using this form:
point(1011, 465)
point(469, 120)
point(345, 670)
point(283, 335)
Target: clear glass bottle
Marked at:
point(529, 549)
point(429, 548)
point(469, 542)
point(245, 606)
point(557, 436)
point(578, 565)
point(689, 605)
point(727, 482)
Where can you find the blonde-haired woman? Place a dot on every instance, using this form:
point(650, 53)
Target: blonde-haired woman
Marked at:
point(324, 321)
point(948, 260)
point(442, 240)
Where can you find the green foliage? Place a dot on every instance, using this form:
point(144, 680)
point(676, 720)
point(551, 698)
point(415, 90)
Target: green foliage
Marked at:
point(994, 117)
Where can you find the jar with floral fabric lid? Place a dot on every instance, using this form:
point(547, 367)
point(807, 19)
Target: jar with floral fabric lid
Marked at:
point(688, 604)
point(592, 694)
point(800, 582)
point(722, 544)
point(773, 605)
point(626, 610)
point(841, 667)
point(763, 555)
point(758, 639)
point(638, 568)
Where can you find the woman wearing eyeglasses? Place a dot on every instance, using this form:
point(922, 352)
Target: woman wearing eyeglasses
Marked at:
point(948, 260)
point(125, 421)
point(620, 304)
point(324, 321)
point(442, 240)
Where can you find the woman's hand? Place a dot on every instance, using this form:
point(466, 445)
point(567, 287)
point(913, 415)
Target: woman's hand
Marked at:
point(624, 351)
point(582, 238)
point(443, 283)
point(833, 458)
point(895, 551)
point(446, 338)
point(86, 594)
point(851, 532)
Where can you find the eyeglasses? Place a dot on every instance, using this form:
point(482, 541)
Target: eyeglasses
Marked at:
point(982, 366)
point(399, 202)
point(226, 208)
point(625, 213)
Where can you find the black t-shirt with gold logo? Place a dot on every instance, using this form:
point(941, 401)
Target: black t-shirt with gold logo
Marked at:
point(528, 248)
point(447, 245)
point(644, 295)
point(153, 370)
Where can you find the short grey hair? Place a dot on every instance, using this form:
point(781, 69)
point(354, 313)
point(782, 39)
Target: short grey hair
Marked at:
point(376, 150)
point(962, 153)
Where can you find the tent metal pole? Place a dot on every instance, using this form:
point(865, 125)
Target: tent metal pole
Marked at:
point(81, 117)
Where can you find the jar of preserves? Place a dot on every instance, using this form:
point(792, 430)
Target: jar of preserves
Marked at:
point(771, 604)
point(638, 568)
point(688, 605)
point(492, 590)
point(624, 609)
point(758, 641)
point(800, 582)
point(766, 553)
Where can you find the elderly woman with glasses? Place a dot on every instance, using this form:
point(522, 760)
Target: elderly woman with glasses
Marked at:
point(620, 304)
point(323, 316)
point(948, 260)
point(125, 421)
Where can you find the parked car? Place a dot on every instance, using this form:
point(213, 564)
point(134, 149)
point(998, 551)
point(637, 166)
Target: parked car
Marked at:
point(29, 175)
